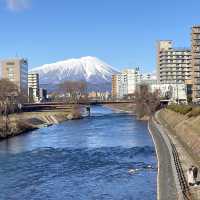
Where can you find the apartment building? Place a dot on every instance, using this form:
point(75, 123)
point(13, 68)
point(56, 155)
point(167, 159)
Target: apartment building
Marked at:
point(124, 83)
point(16, 70)
point(195, 63)
point(173, 64)
point(114, 86)
point(119, 86)
point(33, 87)
point(148, 79)
point(133, 77)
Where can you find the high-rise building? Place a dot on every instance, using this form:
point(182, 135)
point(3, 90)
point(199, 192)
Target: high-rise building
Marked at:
point(43, 94)
point(16, 70)
point(133, 77)
point(196, 63)
point(33, 87)
point(119, 86)
point(173, 64)
point(124, 83)
point(114, 86)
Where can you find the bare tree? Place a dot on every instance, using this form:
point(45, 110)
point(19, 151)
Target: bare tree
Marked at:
point(146, 102)
point(9, 99)
point(9, 95)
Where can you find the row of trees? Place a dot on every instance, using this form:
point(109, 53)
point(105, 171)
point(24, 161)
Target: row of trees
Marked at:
point(71, 91)
point(147, 102)
point(10, 99)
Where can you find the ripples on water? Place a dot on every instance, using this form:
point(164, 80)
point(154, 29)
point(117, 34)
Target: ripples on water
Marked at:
point(82, 171)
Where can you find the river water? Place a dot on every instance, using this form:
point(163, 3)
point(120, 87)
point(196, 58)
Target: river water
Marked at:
point(106, 156)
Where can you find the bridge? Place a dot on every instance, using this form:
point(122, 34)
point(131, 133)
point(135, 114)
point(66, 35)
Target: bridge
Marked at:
point(68, 105)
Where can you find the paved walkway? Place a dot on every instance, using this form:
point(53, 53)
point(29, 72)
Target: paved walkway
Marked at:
point(166, 188)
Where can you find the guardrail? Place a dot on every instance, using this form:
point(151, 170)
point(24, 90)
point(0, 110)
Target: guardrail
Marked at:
point(181, 177)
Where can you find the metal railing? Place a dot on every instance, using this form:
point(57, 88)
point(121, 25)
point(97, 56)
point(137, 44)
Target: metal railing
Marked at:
point(181, 177)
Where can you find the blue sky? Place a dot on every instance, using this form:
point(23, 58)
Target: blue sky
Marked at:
point(123, 33)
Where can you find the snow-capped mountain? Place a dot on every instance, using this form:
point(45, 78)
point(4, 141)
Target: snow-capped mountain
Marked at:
point(89, 69)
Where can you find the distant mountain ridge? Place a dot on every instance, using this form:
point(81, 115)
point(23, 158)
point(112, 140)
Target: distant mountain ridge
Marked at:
point(88, 69)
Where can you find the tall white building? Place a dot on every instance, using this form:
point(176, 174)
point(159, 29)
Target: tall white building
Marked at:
point(133, 78)
point(124, 83)
point(33, 87)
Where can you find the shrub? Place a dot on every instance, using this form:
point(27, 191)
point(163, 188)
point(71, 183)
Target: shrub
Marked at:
point(195, 112)
point(182, 109)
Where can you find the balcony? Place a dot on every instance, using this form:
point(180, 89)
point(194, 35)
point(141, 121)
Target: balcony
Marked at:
point(196, 43)
point(197, 75)
point(196, 51)
point(197, 81)
point(197, 69)
point(196, 63)
point(196, 30)
point(195, 38)
point(196, 56)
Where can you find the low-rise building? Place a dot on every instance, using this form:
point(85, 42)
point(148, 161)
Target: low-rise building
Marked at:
point(172, 92)
point(99, 95)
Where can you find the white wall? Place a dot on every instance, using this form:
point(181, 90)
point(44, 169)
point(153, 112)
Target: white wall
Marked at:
point(176, 91)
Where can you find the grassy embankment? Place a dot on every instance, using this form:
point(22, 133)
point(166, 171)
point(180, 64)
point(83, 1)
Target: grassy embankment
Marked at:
point(184, 122)
point(22, 122)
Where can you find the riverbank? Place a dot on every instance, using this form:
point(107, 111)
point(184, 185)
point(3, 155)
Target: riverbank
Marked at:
point(122, 107)
point(19, 123)
point(183, 134)
point(127, 107)
point(173, 159)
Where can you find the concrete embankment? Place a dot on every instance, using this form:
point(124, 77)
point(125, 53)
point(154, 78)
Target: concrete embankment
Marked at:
point(122, 107)
point(26, 121)
point(186, 129)
point(184, 136)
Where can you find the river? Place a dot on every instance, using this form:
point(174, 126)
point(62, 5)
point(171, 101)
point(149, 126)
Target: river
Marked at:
point(108, 155)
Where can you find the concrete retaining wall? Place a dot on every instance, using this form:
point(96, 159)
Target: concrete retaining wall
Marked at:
point(187, 129)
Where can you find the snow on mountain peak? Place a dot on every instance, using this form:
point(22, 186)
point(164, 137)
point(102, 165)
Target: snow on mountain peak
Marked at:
point(89, 69)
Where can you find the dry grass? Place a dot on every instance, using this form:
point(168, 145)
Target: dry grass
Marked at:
point(20, 122)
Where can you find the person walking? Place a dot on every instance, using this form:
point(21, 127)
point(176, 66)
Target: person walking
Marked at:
point(190, 177)
point(195, 173)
